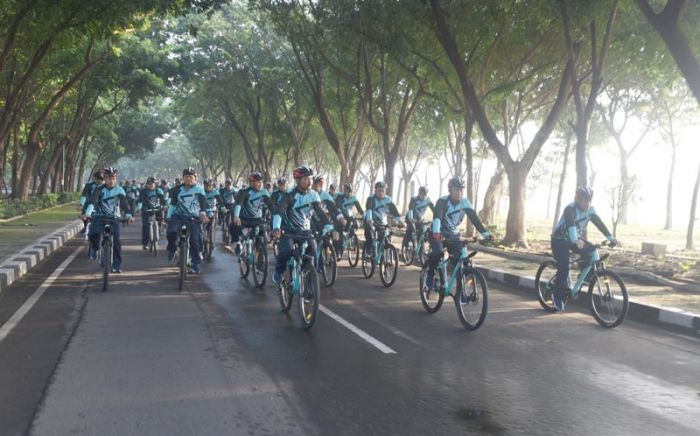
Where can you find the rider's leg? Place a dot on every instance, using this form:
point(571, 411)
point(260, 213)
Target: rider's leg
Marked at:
point(195, 231)
point(368, 238)
point(286, 248)
point(116, 245)
point(433, 260)
point(145, 227)
point(560, 251)
point(94, 236)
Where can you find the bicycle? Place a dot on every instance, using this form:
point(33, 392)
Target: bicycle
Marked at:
point(350, 243)
point(226, 223)
point(607, 292)
point(106, 255)
point(326, 260)
point(413, 249)
point(184, 260)
point(382, 253)
point(468, 283)
point(153, 232)
point(254, 253)
point(209, 236)
point(300, 279)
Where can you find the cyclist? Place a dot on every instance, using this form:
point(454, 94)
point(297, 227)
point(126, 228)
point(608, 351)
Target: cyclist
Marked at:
point(293, 215)
point(332, 191)
point(228, 196)
point(416, 209)
point(345, 202)
point(188, 200)
point(377, 209)
point(281, 190)
point(97, 181)
point(132, 194)
point(248, 211)
point(327, 201)
point(107, 203)
point(152, 199)
point(448, 215)
point(214, 200)
point(568, 235)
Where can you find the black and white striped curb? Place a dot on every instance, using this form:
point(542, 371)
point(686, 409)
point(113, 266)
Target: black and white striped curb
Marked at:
point(667, 318)
point(28, 257)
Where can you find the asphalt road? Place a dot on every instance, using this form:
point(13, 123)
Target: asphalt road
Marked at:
point(219, 358)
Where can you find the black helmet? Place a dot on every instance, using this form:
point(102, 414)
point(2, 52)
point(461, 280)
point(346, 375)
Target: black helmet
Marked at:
point(303, 171)
point(229, 181)
point(423, 190)
point(319, 178)
point(110, 171)
point(210, 182)
point(347, 187)
point(255, 176)
point(585, 192)
point(332, 186)
point(98, 175)
point(281, 181)
point(380, 185)
point(189, 171)
point(151, 180)
point(456, 182)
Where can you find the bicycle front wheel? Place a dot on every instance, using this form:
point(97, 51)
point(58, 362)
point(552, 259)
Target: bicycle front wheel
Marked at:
point(430, 299)
point(353, 250)
point(407, 251)
point(243, 261)
point(544, 282)
point(310, 296)
point(106, 263)
point(285, 291)
point(260, 265)
point(184, 247)
point(471, 299)
point(389, 267)
point(367, 264)
point(608, 297)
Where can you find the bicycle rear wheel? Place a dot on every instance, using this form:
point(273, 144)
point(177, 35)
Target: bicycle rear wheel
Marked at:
point(285, 291)
point(106, 263)
point(353, 250)
point(330, 264)
point(544, 282)
point(608, 297)
point(430, 299)
point(471, 299)
point(260, 264)
point(389, 267)
point(310, 296)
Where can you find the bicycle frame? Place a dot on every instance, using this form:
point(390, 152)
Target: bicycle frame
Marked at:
point(380, 245)
point(248, 242)
point(595, 261)
point(419, 241)
point(463, 262)
point(294, 263)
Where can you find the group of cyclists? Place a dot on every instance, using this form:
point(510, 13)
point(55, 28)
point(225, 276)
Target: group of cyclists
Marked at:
point(299, 211)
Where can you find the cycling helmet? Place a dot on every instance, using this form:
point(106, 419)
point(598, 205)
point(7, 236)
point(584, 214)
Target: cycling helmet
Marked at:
point(229, 181)
point(380, 185)
point(98, 175)
point(347, 187)
point(210, 182)
point(332, 187)
point(456, 182)
point(303, 171)
point(189, 171)
point(585, 192)
point(151, 180)
point(281, 181)
point(110, 171)
point(319, 178)
point(255, 176)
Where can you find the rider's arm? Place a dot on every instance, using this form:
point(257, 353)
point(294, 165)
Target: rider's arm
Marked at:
point(333, 211)
point(570, 223)
point(474, 218)
point(124, 205)
point(241, 197)
point(359, 207)
point(161, 197)
point(411, 205)
point(432, 207)
point(368, 207)
point(84, 195)
point(271, 206)
point(393, 210)
point(595, 219)
point(141, 200)
point(440, 209)
point(282, 206)
point(322, 217)
point(203, 204)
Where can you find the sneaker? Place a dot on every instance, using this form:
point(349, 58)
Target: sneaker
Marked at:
point(194, 268)
point(83, 230)
point(463, 298)
point(93, 254)
point(276, 278)
point(116, 269)
point(145, 247)
point(171, 256)
point(237, 249)
point(558, 301)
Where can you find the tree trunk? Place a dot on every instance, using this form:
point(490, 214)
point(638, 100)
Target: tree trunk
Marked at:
point(515, 224)
point(624, 188)
point(562, 180)
point(492, 195)
point(693, 208)
point(669, 192)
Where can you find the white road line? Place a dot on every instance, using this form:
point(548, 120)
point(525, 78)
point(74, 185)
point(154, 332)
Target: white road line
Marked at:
point(361, 333)
point(31, 301)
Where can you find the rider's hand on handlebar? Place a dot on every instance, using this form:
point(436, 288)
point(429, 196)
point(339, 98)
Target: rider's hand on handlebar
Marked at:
point(437, 236)
point(203, 216)
point(335, 235)
point(276, 234)
point(237, 221)
point(580, 244)
point(130, 220)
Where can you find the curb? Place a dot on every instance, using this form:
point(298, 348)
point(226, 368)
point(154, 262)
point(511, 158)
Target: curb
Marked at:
point(666, 318)
point(29, 256)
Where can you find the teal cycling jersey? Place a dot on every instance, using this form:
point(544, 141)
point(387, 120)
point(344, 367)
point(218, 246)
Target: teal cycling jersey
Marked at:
point(295, 210)
point(213, 199)
point(187, 201)
point(418, 207)
point(88, 189)
point(229, 196)
point(328, 205)
point(573, 223)
point(449, 215)
point(249, 203)
point(378, 210)
point(106, 202)
point(345, 205)
point(151, 199)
